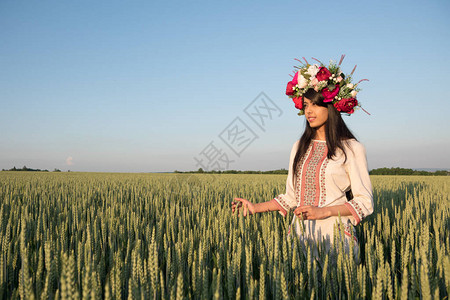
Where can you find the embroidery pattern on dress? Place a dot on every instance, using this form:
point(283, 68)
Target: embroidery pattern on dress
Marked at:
point(282, 202)
point(348, 229)
point(312, 168)
point(298, 185)
point(357, 209)
point(323, 190)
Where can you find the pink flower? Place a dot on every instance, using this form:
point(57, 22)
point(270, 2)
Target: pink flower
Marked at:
point(298, 102)
point(339, 79)
point(329, 95)
point(323, 74)
point(314, 81)
point(295, 79)
point(346, 105)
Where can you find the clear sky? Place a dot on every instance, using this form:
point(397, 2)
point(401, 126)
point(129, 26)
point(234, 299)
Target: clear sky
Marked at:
point(148, 86)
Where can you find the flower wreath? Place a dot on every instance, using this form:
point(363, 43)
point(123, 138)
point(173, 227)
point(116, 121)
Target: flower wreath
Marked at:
point(329, 81)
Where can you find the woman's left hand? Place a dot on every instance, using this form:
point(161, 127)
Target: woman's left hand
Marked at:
point(310, 212)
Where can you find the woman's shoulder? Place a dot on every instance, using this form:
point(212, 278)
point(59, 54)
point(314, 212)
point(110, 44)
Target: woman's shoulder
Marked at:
point(295, 147)
point(353, 142)
point(354, 145)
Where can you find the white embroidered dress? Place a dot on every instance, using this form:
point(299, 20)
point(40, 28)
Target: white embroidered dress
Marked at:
point(323, 182)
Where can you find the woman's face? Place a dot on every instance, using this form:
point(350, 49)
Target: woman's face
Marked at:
point(316, 115)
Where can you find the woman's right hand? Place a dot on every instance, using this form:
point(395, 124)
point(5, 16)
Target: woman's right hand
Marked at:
point(247, 207)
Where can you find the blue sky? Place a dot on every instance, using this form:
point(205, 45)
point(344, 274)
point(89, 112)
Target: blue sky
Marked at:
point(146, 86)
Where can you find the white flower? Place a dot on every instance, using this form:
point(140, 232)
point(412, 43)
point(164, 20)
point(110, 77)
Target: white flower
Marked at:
point(302, 82)
point(350, 85)
point(312, 70)
point(353, 93)
point(322, 84)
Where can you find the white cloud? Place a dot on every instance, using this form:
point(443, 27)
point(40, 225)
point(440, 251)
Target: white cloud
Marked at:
point(69, 161)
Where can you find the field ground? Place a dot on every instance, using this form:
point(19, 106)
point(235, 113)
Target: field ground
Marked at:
point(157, 236)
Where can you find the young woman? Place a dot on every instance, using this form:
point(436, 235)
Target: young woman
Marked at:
point(325, 164)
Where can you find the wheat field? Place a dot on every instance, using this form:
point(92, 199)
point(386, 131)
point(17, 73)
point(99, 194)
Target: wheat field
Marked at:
point(172, 236)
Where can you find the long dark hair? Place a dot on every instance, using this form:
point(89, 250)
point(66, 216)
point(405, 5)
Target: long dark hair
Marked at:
point(336, 132)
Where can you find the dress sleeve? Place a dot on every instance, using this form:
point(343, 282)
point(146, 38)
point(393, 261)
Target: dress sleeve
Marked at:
point(288, 200)
point(356, 166)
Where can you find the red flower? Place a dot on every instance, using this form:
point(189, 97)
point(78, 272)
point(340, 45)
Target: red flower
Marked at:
point(329, 95)
point(323, 74)
point(298, 102)
point(291, 84)
point(346, 105)
point(289, 88)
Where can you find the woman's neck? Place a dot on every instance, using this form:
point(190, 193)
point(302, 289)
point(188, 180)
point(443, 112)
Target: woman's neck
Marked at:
point(320, 134)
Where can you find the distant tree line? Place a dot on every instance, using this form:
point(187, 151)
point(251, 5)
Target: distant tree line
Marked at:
point(30, 170)
point(402, 171)
point(380, 171)
point(200, 170)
